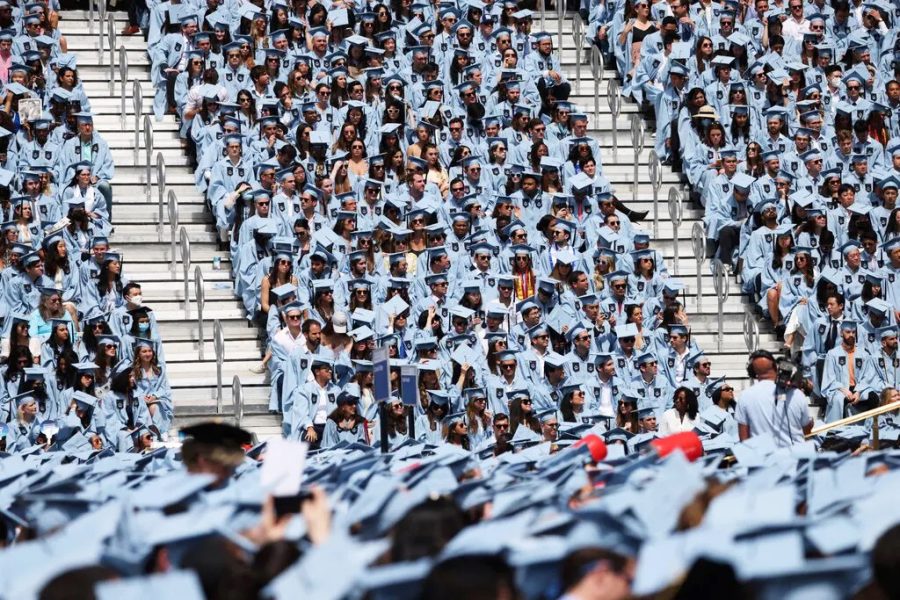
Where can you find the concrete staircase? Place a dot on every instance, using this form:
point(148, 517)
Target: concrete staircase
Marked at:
point(618, 167)
point(148, 256)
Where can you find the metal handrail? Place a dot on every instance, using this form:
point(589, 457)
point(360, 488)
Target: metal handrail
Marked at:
point(137, 101)
point(637, 144)
point(676, 212)
point(751, 332)
point(237, 398)
point(873, 413)
point(577, 29)
point(101, 34)
point(160, 190)
point(123, 79)
point(560, 16)
point(111, 36)
point(614, 99)
point(91, 17)
point(173, 226)
point(148, 151)
point(654, 166)
point(698, 242)
point(721, 285)
point(200, 298)
point(219, 347)
point(598, 69)
point(185, 245)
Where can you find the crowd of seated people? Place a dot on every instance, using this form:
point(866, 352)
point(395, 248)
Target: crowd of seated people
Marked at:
point(80, 356)
point(784, 118)
point(417, 178)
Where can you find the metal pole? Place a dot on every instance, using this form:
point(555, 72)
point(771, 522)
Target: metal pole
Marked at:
point(560, 16)
point(185, 267)
point(123, 80)
point(613, 99)
point(720, 284)
point(219, 347)
point(137, 97)
point(637, 144)
point(751, 332)
point(101, 34)
point(597, 70)
point(577, 25)
point(173, 227)
point(675, 213)
point(148, 151)
point(111, 34)
point(698, 241)
point(237, 399)
point(654, 166)
point(200, 296)
point(160, 190)
point(91, 16)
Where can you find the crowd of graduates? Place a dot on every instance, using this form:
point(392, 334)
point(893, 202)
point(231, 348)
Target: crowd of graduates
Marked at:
point(414, 177)
point(389, 176)
point(784, 118)
point(80, 353)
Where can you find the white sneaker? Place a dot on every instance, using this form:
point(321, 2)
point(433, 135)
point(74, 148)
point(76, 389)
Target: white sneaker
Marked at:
point(258, 368)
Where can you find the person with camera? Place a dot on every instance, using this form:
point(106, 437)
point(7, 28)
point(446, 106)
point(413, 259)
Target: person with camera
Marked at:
point(774, 404)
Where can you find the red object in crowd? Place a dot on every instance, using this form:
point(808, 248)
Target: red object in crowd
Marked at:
point(595, 445)
point(686, 441)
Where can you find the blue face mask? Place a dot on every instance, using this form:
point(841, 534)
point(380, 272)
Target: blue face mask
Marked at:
point(143, 327)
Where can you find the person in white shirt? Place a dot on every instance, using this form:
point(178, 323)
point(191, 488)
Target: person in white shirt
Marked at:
point(797, 24)
point(680, 417)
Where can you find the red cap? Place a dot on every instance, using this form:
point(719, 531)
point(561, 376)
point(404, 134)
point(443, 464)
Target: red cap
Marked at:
point(686, 441)
point(595, 445)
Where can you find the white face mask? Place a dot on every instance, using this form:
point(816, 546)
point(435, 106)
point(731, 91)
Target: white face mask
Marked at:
point(136, 300)
point(835, 81)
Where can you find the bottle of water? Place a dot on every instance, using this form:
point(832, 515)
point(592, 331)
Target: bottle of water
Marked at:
point(217, 263)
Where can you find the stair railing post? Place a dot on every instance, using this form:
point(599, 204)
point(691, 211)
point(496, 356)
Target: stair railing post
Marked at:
point(751, 332)
point(637, 144)
point(200, 296)
point(219, 347)
point(173, 228)
point(598, 69)
point(577, 29)
point(123, 81)
point(185, 244)
point(91, 16)
point(676, 212)
point(111, 36)
point(237, 398)
point(654, 166)
point(614, 99)
point(148, 152)
point(137, 99)
point(101, 33)
point(560, 17)
point(160, 190)
point(720, 284)
point(698, 244)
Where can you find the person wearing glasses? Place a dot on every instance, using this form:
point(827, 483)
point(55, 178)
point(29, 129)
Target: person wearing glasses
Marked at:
point(307, 408)
point(698, 368)
point(653, 389)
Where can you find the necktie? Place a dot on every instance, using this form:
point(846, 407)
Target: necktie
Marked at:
point(832, 336)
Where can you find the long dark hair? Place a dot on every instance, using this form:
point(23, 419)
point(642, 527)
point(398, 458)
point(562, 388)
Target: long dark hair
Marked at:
point(693, 407)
